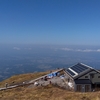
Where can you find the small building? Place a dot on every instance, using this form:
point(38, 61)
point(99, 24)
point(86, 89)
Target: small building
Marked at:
point(83, 78)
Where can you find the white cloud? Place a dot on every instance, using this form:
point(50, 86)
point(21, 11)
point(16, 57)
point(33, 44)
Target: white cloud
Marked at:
point(66, 49)
point(28, 48)
point(88, 50)
point(16, 48)
point(98, 50)
point(81, 50)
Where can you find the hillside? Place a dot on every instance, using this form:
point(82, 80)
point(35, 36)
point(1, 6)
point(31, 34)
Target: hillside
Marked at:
point(49, 92)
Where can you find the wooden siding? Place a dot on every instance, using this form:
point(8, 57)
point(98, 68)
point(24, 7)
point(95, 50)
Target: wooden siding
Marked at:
point(83, 87)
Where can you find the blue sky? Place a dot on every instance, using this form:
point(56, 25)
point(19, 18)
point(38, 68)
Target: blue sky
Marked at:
point(72, 22)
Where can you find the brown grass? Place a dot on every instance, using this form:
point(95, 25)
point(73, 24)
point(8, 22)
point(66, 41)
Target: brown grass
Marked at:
point(46, 93)
point(49, 92)
point(20, 78)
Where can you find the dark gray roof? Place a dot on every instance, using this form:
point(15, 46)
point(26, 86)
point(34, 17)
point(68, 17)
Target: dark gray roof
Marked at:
point(78, 69)
point(83, 81)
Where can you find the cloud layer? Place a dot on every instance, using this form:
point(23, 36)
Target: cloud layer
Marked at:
point(16, 48)
point(80, 50)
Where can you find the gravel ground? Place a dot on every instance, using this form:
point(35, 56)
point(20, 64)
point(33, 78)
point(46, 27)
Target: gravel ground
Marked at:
point(55, 80)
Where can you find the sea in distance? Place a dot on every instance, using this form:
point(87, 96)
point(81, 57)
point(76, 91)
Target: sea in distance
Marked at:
point(20, 59)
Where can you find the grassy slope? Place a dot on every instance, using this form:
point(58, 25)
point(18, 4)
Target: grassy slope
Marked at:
point(42, 93)
point(20, 78)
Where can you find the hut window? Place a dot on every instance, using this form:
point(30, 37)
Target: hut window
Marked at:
point(86, 76)
point(92, 75)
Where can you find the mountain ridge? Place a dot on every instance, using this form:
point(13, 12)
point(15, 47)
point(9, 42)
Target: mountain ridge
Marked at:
point(49, 92)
